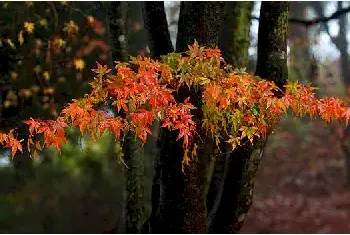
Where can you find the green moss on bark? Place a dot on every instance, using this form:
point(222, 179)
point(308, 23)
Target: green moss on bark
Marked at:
point(234, 33)
point(244, 161)
point(272, 42)
point(134, 174)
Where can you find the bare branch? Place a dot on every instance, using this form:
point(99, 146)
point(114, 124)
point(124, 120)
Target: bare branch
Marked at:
point(323, 19)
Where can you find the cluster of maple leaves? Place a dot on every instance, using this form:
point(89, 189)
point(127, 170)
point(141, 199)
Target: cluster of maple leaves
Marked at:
point(236, 106)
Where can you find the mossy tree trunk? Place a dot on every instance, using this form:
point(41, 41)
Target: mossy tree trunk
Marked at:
point(128, 39)
point(157, 29)
point(178, 198)
point(201, 22)
point(234, 43)
point(243, 162)
point(234, 33)
point(159, 44)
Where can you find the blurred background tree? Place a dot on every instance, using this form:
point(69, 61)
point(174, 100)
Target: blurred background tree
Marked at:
point(47, 50)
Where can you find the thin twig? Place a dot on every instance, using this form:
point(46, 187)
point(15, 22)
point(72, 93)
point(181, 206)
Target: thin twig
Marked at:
point(322, 19)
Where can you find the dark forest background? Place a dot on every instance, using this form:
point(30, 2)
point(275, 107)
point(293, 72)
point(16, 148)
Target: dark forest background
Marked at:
point(47, 50)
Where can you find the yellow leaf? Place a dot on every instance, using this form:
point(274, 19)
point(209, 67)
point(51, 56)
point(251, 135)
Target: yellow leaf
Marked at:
point(46, 75)
point(7, 104)
point(5, 5)
point(9, 41)
point(59, 42)
point(79, 64)
point(91, 19)
point(37, 69)
point(29, 27)
point(43, 22)
point(20, 38)
point(71, 27)
point(14, 75)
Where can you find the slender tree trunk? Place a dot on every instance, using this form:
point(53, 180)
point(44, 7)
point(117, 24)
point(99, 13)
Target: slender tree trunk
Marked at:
point(201, 22)
point(157, 28)
point(243, 163)
point(234, 44)
point(198, 21)
point(234, 33)
point(119, 18)
point(160, 44)
point(179, 198)
point(300, 57)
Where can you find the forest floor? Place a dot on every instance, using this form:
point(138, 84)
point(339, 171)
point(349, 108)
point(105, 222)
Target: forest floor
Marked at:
point(300, 186)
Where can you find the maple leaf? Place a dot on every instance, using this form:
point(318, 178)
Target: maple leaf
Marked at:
point(102, 70)
point(15, 146)
point(20, 38)
point(347, 115)
point(29, 27)
point(79, 64)
point(71, 27)
point(59, 42)
point(46, 75)
point(213, 53)
point(33, 124)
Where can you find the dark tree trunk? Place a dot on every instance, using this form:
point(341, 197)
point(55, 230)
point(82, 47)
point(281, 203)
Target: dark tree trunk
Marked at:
point(234, 33)
point(157, 28)
point(272, 42)
point(198, 21)
point(234, 44)
point(134, 177)
point(115, 30)
point(243, 163)
point(120, 19)
point(178, 198)
point(160, 44)
point(201, 22)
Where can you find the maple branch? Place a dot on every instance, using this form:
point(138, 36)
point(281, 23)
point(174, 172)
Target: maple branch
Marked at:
point(322, 19)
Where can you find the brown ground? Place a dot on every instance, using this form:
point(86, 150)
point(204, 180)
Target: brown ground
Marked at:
point(299, 187)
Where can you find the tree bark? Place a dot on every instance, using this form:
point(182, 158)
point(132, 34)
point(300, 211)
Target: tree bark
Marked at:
point(300, 56)
point(159, 44)
point(120, 16)
point(234, 43)
point(201, 22)
point(243, 162)
point(234, 33)
point(179, 197)
point(198, 21)
point(157, 28)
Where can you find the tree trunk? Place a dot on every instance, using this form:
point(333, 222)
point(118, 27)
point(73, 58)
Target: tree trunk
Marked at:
point(234, 33)
point(132, 148)
point(134, 176)
point(234, 44)
point(157, 28)
point(160, 44)
point(198, 21)
point(179, 198)
point(300, 56)
point(243, 163)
